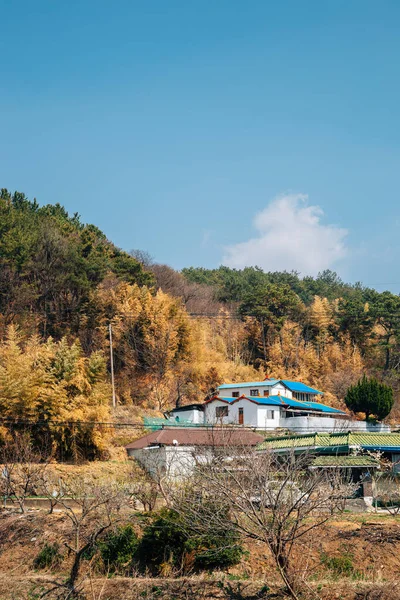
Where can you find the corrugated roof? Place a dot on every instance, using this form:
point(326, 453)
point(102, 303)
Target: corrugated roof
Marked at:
point(298, 386)
point(323, 407)
point(281, 401)
point(185, 407)
point(345, 461)
point(368, 441)
point(197, 437)
point(266, 383)
point(294, 386)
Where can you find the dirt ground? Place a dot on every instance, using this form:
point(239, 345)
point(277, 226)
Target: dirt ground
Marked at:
point(354, 557)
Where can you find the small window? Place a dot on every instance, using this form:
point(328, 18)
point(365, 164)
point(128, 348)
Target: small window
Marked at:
point(266, 392)
point(270, 414)
point(221, 411)
point(235, 394)
point(254, 393)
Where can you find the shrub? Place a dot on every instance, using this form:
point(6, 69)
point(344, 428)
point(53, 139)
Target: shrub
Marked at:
point(118, 549)
point(163, 541)
point(217, 550)
point(49, 556)
point(340, 565)
point(168, 543)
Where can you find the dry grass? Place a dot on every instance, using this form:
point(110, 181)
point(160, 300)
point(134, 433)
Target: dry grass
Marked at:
point(373, 542)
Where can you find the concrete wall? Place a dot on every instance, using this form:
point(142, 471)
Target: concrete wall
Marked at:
point(327, 424)
point(245, 390)
point(192, 416)
point(172, 462)
point(254, 415)
point(153, 459)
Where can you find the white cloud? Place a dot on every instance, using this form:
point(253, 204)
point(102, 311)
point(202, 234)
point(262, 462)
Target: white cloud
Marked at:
point(290, 237)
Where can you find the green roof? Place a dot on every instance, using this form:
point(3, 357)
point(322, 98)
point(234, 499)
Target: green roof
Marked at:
point(370, 441)
point(345, 461)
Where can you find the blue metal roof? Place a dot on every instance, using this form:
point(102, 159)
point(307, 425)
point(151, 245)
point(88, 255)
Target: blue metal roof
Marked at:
point(313, 406)
point(293, 386)
point(266, 383)
point(324, 408)
point(284, 401)
point(264, 400)
point(298, 386)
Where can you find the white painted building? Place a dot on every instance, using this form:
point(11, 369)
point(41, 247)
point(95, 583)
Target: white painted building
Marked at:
point(191, 413)
point(269, 405)
point(173, 453)
point(295, 390)
point(273, 412)
point(243, 411)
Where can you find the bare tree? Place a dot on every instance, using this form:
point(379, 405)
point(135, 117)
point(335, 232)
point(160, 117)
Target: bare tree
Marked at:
point(23, 469)
point(386, 488)
point(91, 508)
point(144, 489)
point(274, 499)
point(197, 298)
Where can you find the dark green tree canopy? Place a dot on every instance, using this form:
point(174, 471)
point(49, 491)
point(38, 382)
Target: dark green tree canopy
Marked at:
point(370, 397)
point(50, 262)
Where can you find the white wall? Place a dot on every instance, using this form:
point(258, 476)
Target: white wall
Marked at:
point(153, 459)
point(254, 415)
point(171, 462)
point(327, 424)
point(245, 390)
point(262, 417)
point(279, 387)
point(192, 416)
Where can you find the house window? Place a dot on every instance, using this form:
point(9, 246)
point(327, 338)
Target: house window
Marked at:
point(254, 393)
point(221, 411)
point(235, 394)
point(266, 392)
point(270, 414)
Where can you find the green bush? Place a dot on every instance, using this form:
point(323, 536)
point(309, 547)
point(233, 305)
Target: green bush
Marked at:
point(166, 540)
point(49, 556)
point(163, 541)
point(340, 565)
point(118, 549)
point(217, 550)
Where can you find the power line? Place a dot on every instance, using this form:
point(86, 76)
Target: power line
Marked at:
point(142, 426)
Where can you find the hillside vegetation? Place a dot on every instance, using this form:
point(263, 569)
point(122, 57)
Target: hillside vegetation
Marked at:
point(176, 335)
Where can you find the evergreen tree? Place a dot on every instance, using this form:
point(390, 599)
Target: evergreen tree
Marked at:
point(370, 397)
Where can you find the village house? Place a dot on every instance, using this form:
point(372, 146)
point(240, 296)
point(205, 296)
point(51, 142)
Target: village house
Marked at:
point(295, 390)
point(357, 455)
point(173, 453)
point(273, 412)
point(269, 405)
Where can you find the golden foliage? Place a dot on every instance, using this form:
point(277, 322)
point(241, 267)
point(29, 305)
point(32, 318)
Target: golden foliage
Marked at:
point(54, 384)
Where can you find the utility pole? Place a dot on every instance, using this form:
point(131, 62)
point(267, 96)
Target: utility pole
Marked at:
point(263, 339)
point(112, 366)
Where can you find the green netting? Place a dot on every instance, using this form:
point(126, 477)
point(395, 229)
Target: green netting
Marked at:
point(154, 423)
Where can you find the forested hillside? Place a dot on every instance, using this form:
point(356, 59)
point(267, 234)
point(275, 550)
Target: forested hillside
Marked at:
point(176, 335)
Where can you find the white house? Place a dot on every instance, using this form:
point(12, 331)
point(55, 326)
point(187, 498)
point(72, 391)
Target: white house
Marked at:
point(173, 453)
point(295, 390)
point(269, 405)
point(272, 412)
point(191, 413)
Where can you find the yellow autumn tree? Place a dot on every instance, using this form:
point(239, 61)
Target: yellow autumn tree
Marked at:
point(57, 391)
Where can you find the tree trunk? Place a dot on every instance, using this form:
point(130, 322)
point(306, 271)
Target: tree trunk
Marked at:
point(387, 356)
point(283, 567)
point(74, 573)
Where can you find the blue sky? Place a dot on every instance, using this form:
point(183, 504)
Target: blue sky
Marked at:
point(208, 132)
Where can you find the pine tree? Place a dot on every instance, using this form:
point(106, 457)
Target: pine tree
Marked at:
point(370, 397)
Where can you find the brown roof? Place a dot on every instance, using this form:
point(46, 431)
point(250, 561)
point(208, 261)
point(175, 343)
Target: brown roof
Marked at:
point(198, 437)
